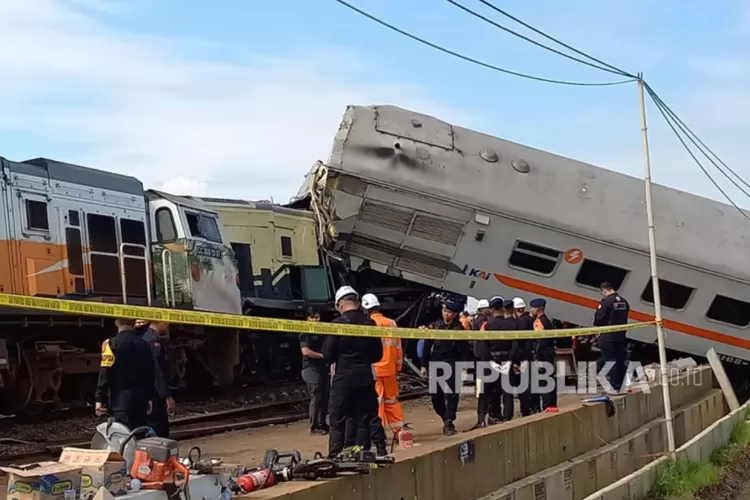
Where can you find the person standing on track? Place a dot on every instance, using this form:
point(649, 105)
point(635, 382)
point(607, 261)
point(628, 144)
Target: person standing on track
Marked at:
point(316, 375)
point(126, 386)
point(496, 353)
point(613, 310)
point(353, 387)
point(450, 352)
point(525, 322)
point(157, 335)
point(386, 370)
point(545, 353)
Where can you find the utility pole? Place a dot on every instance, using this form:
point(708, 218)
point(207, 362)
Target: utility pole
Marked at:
point(654, 274)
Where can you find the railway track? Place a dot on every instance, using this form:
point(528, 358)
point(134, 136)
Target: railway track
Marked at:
point(276, 413)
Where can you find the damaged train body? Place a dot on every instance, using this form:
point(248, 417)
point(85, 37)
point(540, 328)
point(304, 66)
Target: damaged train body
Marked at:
point(452, 209)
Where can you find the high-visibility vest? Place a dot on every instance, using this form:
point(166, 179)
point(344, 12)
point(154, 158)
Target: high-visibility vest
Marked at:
point(393, 355)
point(465, 322)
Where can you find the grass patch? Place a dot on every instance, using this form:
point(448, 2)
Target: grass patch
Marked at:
point(680, 479)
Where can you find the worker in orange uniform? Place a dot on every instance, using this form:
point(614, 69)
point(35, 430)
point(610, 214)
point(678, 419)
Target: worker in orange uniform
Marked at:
point(387, 369)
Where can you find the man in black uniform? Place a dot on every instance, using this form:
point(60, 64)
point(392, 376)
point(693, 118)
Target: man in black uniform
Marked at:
point(126, 379)
point(157, 335)
point(613, 310)
point(450, 352)
point(498, 352)
point(544, 353)
point(353, 387)
point(526, 347)
point(316, 374)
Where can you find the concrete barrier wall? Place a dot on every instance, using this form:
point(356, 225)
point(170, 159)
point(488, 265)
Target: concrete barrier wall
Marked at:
point(505, 455)
point(637, 485)
point(583, 475)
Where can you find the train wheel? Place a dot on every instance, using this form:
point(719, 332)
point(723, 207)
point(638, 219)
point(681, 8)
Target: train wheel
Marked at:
point(33, 411)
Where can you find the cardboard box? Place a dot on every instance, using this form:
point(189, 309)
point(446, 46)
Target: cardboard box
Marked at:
point(99, 468)
point(42, 481)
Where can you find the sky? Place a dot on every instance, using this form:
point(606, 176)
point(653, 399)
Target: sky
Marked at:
point(238, 98)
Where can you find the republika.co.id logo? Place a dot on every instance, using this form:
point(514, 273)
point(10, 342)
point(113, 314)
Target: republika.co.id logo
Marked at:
point(542, 377)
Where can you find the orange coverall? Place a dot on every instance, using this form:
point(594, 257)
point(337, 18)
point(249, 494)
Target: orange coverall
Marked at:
point(386, 378)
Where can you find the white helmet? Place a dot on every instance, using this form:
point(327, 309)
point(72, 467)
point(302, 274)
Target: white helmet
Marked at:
point(518, 303)
point(369, 301)
point(345, 291)
point(483, 304)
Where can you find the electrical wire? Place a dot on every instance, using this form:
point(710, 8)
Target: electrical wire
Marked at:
point(553, 39)
point(698, 143)
point(668, 119)
point(476, 61)
point(534, 42)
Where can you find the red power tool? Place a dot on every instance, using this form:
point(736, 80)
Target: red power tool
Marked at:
point(156, 465)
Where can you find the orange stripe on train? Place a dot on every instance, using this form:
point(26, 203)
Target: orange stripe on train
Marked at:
point(582, 301)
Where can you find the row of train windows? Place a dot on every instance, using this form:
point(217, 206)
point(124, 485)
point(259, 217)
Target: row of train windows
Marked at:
point(543, 260)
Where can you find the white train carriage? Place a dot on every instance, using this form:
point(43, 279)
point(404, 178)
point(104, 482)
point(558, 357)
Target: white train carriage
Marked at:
point(463, 211)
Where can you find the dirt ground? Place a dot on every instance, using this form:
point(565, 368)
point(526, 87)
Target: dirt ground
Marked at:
point(734, 484)
point(248, 447)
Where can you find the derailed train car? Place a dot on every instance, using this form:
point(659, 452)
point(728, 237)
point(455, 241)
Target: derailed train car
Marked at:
point(453, 209)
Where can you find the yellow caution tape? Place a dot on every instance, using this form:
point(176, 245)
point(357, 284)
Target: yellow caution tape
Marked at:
point(288, 325)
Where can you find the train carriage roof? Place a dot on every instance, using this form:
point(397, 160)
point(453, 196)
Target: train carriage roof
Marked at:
point(76, 174)
point(408, 150)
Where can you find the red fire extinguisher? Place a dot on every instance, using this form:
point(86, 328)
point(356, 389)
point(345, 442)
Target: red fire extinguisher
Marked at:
point(256, 480)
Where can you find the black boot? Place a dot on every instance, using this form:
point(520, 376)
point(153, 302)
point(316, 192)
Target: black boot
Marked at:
point(449, 429)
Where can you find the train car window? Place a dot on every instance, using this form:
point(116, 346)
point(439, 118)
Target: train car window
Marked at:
point(36, 215)
point(202, 226)
point(133, 232)
point(74, 218)
point(102, 233)
point(75, 250)
point(166, 232)
point(286, 246)
point(593, 273)
point(535, 258)
point(729, 310)
point(210, 228)
point(673, 295)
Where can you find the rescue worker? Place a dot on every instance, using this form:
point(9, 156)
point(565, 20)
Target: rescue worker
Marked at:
point(353, 387)
point(316, 375)
point(465, 320)
point(386, 372)
point(126, 378)
point(483, 314)
point(496, 353)
point(544, 353)
point(526, 347)
point(613, 310)
point(449, 352)
point(157, 336)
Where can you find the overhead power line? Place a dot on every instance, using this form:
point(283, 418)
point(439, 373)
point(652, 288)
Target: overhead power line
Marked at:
point(668, 119)
point(553, 39)
point(476, 61)
point(534, 42)
point(698, 143)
